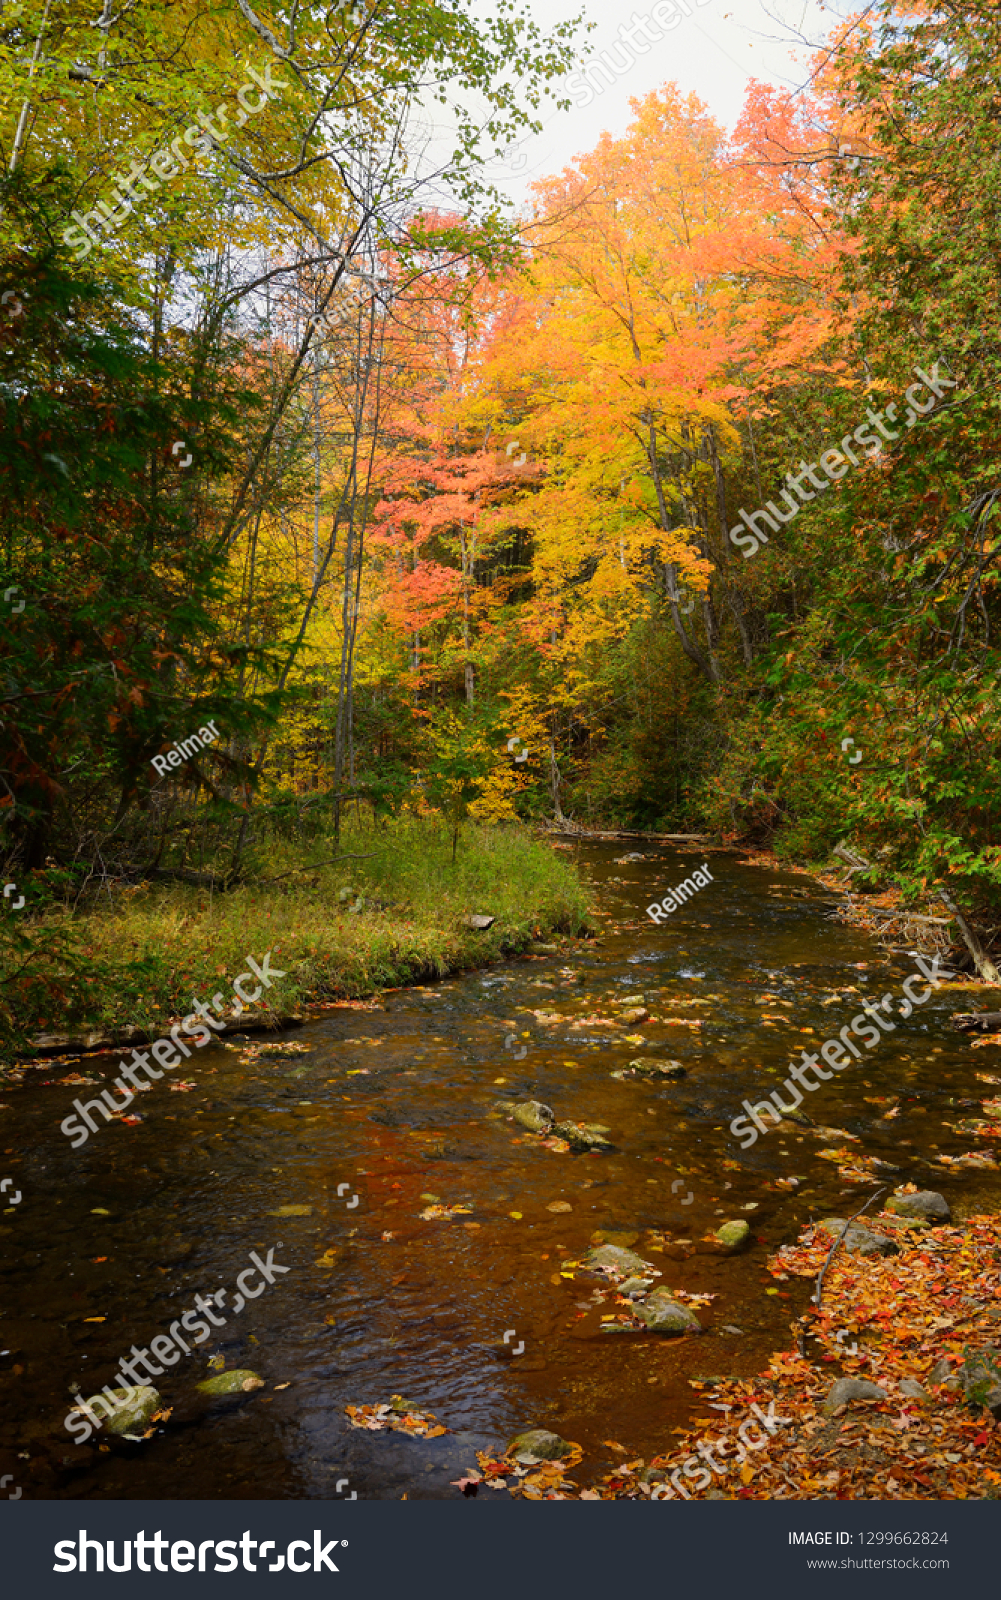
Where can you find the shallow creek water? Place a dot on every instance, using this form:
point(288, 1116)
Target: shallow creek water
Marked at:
point(395, 1104)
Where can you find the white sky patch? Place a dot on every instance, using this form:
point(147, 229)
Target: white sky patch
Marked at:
point(713, 53)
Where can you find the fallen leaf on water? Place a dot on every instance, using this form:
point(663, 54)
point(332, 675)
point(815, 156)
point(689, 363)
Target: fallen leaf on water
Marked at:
point(419, 1424)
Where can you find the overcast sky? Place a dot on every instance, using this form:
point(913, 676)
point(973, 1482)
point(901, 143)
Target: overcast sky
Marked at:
point(712, 52)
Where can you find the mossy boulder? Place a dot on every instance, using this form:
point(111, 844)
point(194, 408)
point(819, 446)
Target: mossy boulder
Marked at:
point(134, 1417)
point(926, 1203)
point(239, 1381)
point(734, 1235)
point(859, 1241)
point(582, 1135)
point(534, 1116)
point(538, 1444)
point(664, 1315)
point(613, 1255)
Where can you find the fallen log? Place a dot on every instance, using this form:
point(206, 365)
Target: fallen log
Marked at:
point(977, 1021)
point(82, 1044)
point(612, 836)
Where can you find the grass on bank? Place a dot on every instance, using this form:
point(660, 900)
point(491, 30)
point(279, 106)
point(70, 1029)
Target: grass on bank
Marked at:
point(138, 953)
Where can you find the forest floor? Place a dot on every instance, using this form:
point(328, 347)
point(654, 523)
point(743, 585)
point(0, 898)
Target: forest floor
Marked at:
point(382, 908)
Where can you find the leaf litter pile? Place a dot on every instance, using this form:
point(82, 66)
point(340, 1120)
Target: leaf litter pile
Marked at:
point(923, 1325)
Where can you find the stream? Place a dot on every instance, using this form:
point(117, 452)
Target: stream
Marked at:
point(327, 1152)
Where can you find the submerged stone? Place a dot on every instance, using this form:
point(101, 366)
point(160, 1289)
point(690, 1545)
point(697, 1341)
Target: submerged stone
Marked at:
point(654, 1068)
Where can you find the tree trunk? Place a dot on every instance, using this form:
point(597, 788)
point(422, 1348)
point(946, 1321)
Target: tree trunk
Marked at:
point(986, 968)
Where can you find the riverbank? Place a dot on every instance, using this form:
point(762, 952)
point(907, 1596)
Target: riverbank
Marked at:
point(890, 1391)
point(385, 909)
